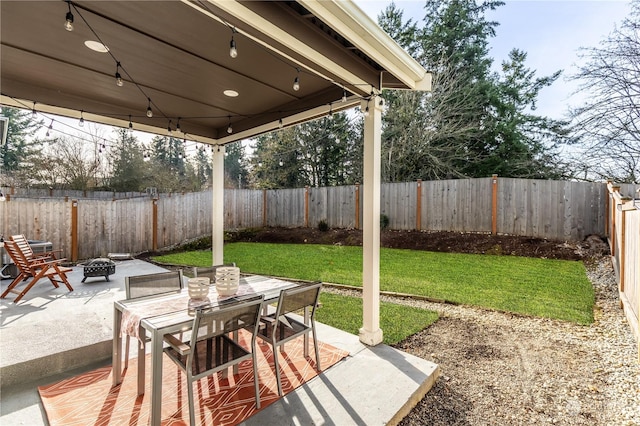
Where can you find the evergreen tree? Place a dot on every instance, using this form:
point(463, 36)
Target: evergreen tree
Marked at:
point(235, 170)
point(202, 166)
point(17, 157)
point(128, 166)
point(475, 122)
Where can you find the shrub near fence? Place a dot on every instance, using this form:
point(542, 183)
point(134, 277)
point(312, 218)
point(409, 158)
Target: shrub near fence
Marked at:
point(87, 228)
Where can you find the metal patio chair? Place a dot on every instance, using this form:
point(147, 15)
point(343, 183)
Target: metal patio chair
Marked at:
point(280, 327)
point(210, 349)
point(149, 285)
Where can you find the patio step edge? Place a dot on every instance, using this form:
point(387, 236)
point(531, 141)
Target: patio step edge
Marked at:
point(54, 364)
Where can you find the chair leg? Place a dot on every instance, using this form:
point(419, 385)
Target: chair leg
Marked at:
point(277, 365)
point(35, 279)
point(255, 376)
point(315, 345)
point(14, 283)
point(192, 409)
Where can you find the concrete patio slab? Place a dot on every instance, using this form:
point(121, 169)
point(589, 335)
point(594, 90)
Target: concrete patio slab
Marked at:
point(52, 334)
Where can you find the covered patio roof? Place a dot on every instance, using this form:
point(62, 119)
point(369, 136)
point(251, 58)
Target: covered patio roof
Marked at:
point(295, 61)
point(174, 56)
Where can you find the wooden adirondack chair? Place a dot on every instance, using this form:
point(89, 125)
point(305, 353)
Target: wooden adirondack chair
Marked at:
point(24, 246)
point(35, 267)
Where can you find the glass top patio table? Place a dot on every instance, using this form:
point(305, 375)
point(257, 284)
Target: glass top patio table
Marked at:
point(168, 314)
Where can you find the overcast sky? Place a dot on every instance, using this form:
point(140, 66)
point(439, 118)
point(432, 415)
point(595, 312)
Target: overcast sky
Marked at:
point(551, 32)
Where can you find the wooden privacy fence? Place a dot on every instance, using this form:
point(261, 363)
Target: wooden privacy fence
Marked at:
point(623, 231)
point(88, 228)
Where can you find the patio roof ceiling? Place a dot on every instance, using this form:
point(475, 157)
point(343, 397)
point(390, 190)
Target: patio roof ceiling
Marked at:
point(174, 56)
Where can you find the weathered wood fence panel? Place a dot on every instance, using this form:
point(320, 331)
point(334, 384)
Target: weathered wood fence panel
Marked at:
point(120, 226)
point(550, 209)
point(183, 217)
point(39, 219)
point(398, 202)
point(243, 208)
point(623, 231)
point(462, 205)
point(285, 207)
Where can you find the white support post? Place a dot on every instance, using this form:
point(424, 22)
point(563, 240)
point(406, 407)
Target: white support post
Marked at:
point(370, 333)
point(217, 187)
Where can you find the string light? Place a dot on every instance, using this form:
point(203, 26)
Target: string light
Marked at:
point(280, 124)
point(50, 128)
point(344, 95)
point(81, 122)
point(178, 129)
point(119, 81)
point(149, 111)
point(233, 50)
point(68, 23)
point(169, 128)
point(281, 163)
point(229, 129)
point(130, 123)
point(34, 114)
point(296, 81)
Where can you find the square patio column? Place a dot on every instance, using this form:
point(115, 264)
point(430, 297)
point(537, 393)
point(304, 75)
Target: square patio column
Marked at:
point(217, 187)
point(370, 333)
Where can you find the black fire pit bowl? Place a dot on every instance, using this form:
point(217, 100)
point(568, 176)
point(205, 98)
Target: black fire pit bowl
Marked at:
point(101, 267)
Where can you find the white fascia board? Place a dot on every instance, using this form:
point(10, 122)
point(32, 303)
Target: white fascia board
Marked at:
point(357, 27)
point(266, 27)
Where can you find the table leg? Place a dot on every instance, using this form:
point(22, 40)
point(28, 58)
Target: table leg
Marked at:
point(156, 378)
point(141, 360)
point(306, 335)
point(116, 360)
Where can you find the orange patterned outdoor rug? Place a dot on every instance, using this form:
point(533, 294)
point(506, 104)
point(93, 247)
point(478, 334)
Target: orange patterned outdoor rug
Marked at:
point(90, 399)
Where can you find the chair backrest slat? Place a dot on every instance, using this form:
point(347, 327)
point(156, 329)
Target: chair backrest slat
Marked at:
point(152, 284)
point(297, 298)
point(227, 317)
point(23, 244)
point(17, 256)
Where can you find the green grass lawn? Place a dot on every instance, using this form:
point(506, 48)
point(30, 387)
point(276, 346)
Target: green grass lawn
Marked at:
point(396, 321)
point(540, 287)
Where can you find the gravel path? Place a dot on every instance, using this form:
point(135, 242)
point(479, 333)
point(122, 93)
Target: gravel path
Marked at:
point(504, 369)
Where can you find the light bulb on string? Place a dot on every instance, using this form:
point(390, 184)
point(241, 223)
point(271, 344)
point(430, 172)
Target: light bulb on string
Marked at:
point(229, 128)
point(169, 128)
point(344, 95)
point(50, 128)
point(296, 81)
point(366, 111)
point(178, 129)
point(119, 81)
point(149, 111)
point(81, 122)
point(280, 124)
point(233, 49)
point(34, 114)
point(68, 20)
point(281, 163)
point(130, 123)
